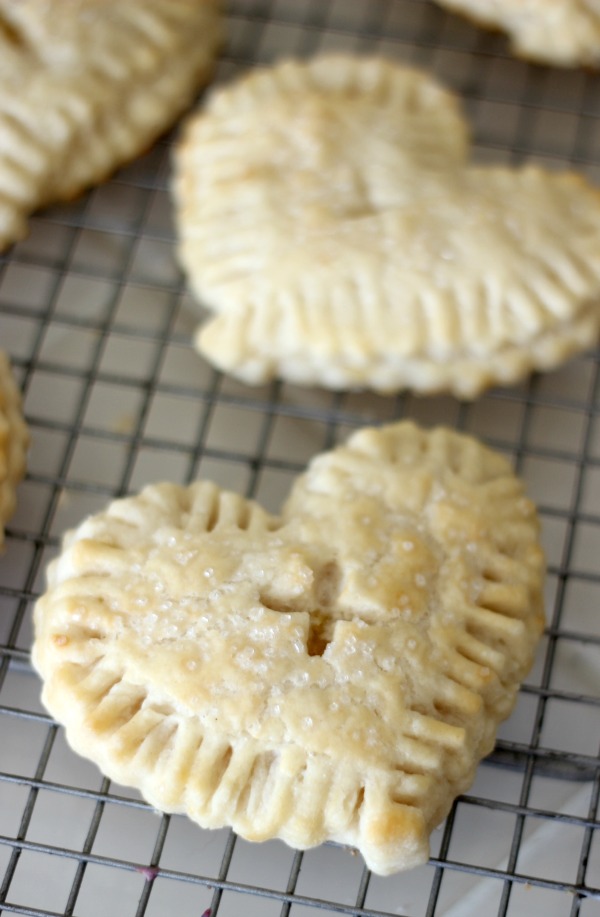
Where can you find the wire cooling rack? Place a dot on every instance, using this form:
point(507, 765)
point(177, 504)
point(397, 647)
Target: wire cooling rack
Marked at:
point(96, 319)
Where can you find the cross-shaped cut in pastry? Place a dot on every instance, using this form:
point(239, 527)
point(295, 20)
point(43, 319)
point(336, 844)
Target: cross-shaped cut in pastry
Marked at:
point(335, 673)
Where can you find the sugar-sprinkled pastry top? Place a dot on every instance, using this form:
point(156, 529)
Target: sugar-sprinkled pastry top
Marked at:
point(335, 672)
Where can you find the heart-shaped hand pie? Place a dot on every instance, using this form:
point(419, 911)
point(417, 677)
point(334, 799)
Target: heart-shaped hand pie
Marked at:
point(14, 440)
point(327, 213)
point(86, 86)
point(335, 673)
point(562, 32)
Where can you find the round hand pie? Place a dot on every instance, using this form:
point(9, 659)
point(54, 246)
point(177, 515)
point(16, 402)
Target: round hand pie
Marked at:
point(14, 439)
point(86, 85)
point(329, 217)
point(333, 673)
point(560, 32)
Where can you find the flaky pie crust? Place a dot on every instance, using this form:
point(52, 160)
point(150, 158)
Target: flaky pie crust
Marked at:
point(334, 673)
point(86, 85)
point(562, 33)
point(330, 221)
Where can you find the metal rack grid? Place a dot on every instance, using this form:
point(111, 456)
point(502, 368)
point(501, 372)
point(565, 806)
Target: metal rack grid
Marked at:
point(94, 314)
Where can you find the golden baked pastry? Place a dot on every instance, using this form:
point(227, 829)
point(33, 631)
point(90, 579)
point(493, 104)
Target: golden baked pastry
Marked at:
point(329, 217)
point(564, 33)
point(86, 85)
point(14, 440)
point(333, 673)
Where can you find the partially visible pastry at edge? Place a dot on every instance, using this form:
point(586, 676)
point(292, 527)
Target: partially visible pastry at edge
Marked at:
point(14, 439)
point(333, 673)
point(564, 33)
point(86, 85)
point(329, 217)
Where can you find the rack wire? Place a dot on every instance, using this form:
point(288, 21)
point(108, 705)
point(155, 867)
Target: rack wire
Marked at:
point(96, 319)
